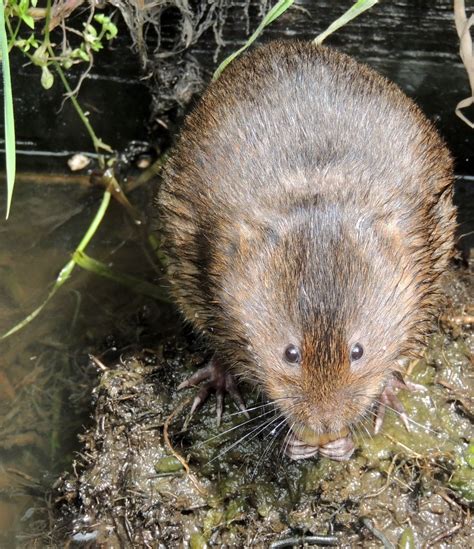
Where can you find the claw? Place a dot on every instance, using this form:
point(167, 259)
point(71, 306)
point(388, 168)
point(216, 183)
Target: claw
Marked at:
point(339, 450)
point(219, 379)
point(197, 377)
point(388, 398)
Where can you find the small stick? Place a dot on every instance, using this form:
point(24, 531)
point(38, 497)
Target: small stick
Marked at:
point(459, 319)
point(176, 454)
point(367, 522)
point(320, 539)
point(98, 363)
point(443, 535)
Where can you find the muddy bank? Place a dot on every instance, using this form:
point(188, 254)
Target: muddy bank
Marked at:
point(149, 476)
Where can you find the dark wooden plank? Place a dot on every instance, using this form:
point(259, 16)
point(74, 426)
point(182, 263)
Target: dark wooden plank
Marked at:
point(413, 42)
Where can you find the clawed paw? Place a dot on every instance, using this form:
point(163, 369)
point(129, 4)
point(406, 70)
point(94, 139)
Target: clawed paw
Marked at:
point(340, 449)
point(388, 399)
point(214, 377)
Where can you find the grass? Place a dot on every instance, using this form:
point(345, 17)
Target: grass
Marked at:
point(357, 9)
point(9, 120)
point(279, 9)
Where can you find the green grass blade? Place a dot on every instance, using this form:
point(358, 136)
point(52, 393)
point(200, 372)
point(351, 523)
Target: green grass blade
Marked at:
point(359, 7)
point(133, 283)
point(66, 271)
point(62, 277)
point(278, 9)
point(9, 120)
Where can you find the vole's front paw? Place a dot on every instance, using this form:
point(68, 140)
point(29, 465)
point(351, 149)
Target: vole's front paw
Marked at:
point(388, 399)
point(297, 449)
point(340, 449)
point(216, 377)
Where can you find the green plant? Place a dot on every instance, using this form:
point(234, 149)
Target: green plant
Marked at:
point(354, 11)
point(78, 45)
point(279, 9)
point(43, 53)
point(9, 121)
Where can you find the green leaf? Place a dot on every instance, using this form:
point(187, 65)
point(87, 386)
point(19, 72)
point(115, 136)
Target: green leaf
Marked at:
point(135, 284)
point(28, 20)
point(90, 32)
point(407, 539)
point(81, 54)
point(107, 25)
point(10, 146)
point(278, 9)
point(469, 455)
point(47, 78)
point(359, 7)
point(96, 46)
point(111, 32)
point(40, 57)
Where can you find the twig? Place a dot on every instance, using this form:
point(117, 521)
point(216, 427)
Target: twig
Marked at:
point(443, 535)
point(175, 453)
point(367, 522)
point(387, 482)
point(320, 539)
point(459, 320)
point(98, 363)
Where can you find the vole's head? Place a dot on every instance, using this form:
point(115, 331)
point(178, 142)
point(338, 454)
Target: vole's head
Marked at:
point(326, 309)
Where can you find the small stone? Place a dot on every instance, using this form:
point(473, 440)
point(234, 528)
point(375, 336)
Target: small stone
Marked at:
point(78, 162)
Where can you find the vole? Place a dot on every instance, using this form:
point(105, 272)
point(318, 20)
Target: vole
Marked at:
point(307, 218)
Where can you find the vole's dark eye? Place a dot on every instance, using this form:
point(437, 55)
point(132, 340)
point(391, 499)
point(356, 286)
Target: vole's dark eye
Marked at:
point(292, 354)
point(357, 351)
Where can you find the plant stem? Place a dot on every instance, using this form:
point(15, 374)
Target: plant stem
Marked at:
point(96, 141)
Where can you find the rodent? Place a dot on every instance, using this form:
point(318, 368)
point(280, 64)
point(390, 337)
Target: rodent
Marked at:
point(307, 217)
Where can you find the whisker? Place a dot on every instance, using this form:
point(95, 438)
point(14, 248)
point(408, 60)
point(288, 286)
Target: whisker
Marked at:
point(255, 432)
point(270, 403)
point(274, 433)
point(286, 441)
point(234, 427)
point(249, 409)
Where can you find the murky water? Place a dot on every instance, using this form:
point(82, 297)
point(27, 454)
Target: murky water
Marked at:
point(45, 370)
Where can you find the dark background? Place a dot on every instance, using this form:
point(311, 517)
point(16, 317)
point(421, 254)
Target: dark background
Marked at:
point(413, 42)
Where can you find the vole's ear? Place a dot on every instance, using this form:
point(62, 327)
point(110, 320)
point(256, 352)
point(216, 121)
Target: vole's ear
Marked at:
point(385, 226)
point(391, 229)
point(245, 237)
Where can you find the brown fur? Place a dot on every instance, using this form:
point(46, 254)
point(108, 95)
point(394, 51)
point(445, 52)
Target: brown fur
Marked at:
point(308, 201)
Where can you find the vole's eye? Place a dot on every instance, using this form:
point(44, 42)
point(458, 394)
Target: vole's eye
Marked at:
point(292, 354)
point(357, 351)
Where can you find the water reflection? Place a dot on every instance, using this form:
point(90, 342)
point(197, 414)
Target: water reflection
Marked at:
point(45, 371)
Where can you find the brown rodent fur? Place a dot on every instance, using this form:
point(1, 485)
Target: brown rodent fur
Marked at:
point(308, 202)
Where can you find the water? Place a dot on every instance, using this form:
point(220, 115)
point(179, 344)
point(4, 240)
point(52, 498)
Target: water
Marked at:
point(45, 372)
